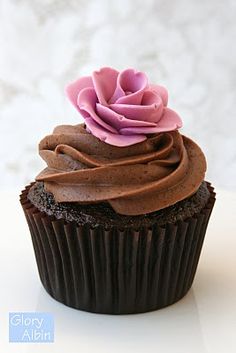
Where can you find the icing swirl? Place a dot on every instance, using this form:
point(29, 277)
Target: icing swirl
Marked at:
point(122, 108)
point(138, 179)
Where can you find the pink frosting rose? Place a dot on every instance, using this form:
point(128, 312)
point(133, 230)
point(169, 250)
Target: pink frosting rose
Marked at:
point(122, 108)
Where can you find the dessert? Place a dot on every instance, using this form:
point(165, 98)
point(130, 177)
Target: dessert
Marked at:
point(119, 214)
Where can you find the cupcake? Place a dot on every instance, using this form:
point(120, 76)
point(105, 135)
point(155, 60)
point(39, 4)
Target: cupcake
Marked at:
point(118, 216)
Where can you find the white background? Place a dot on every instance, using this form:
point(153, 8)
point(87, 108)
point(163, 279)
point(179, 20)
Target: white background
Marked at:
point(186, 45)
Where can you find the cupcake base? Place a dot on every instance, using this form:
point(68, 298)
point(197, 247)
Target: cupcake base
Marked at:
point(114, 271)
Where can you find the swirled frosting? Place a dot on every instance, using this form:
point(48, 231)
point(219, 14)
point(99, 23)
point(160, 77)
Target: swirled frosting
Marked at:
point(148, 176)
point(122, 108)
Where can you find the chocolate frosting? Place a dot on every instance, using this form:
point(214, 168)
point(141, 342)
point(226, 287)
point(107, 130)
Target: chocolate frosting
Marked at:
point(142, 178)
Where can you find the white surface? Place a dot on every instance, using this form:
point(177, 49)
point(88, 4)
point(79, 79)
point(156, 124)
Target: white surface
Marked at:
point(186, 45)
point(202, 322)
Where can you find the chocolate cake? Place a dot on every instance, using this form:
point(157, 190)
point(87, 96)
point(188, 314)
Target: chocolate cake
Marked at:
point(119, 214)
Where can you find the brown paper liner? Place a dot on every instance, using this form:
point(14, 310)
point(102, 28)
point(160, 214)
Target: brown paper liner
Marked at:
point(114, 271)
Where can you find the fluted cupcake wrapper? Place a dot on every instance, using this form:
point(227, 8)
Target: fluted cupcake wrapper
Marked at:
point(116, 271)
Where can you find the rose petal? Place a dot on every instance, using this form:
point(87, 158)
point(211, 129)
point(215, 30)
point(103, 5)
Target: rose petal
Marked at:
point(74, 88)
point(139, 130)
point(104, 82)
point(117, 120)
point(132, 83)
point(169, 121)
point(110, 138)
point(161, 91)
point(87, 100)
point(151, 113)
point(151, 97)
point(117, 95)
